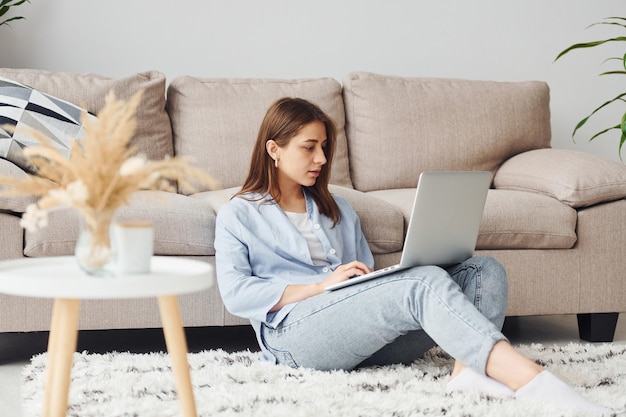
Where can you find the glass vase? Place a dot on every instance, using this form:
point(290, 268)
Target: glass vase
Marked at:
point(95, 250)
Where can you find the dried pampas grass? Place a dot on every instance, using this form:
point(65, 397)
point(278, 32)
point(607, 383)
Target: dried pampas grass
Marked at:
point(101, 173)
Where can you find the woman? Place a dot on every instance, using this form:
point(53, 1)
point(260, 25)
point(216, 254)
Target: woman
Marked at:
point(283, 238)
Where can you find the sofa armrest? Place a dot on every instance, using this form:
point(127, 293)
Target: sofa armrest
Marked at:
point(13, 203)
point(575, 178)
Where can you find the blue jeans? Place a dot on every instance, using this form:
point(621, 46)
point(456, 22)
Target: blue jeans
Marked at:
point(397, 318)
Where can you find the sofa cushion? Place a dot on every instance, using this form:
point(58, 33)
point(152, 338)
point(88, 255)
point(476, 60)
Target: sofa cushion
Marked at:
point(521, 220)
point(24, 107)
point(216, 121)
point(182, 226)
point(382, 223)
point(154, 135)
point(13, 203)
point(11, 237)
point(216, 198)
point(576, 178)
point(425, 124)
point(511, 219)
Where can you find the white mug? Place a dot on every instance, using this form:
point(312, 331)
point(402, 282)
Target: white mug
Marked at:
point(134, 246)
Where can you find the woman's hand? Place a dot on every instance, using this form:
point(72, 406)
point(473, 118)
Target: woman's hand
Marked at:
point(298, 292)
point(345, 272)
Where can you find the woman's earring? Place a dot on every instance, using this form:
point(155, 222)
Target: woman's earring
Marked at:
point(276, 162)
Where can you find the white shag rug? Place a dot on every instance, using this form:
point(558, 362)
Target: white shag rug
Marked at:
point(239, 384)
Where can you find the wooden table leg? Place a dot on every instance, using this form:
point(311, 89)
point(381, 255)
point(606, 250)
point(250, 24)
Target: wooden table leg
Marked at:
point(177, 348)
point(61, 348)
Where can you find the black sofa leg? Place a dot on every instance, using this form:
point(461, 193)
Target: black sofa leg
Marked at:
point(597, 327)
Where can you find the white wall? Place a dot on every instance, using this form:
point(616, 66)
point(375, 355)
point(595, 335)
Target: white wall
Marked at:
point(501, 40)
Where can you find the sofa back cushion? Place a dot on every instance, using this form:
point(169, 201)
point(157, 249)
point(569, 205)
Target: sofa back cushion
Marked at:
point(183, 226)
point(398, 127)
point(216, 121)
point(154, 135)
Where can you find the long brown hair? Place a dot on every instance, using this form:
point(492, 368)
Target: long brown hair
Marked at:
point(282, 122)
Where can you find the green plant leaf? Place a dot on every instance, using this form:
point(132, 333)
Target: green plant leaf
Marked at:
point(6, 22)
point(5, 6)
point(583, 121)
point(622, 139)
point(616, 18)
point(590, 45)
point(622, 128)
point(11, 3)
point(613, 58)
point(613, 21)
point(607, 23)
point(602, 132)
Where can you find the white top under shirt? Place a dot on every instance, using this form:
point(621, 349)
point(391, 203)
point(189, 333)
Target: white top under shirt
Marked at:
point(302, 222)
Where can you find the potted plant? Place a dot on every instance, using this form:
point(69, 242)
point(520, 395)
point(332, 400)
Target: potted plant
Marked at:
point(98, 177)
point(621, 126)
point(5, 6)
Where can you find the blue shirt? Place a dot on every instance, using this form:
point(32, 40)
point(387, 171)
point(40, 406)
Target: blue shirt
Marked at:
point(259, 252)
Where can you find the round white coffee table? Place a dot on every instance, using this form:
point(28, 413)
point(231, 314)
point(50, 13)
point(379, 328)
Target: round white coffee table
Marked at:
point(61, 279)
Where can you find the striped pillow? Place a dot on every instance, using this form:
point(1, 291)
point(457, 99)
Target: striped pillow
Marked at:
point(23, 106)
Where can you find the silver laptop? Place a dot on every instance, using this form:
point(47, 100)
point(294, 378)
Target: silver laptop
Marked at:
point(443, 228)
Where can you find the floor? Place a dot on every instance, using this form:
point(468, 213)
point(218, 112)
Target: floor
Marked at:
point(16, 349)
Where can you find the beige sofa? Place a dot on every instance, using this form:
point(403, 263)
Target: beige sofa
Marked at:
point(555, 218)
